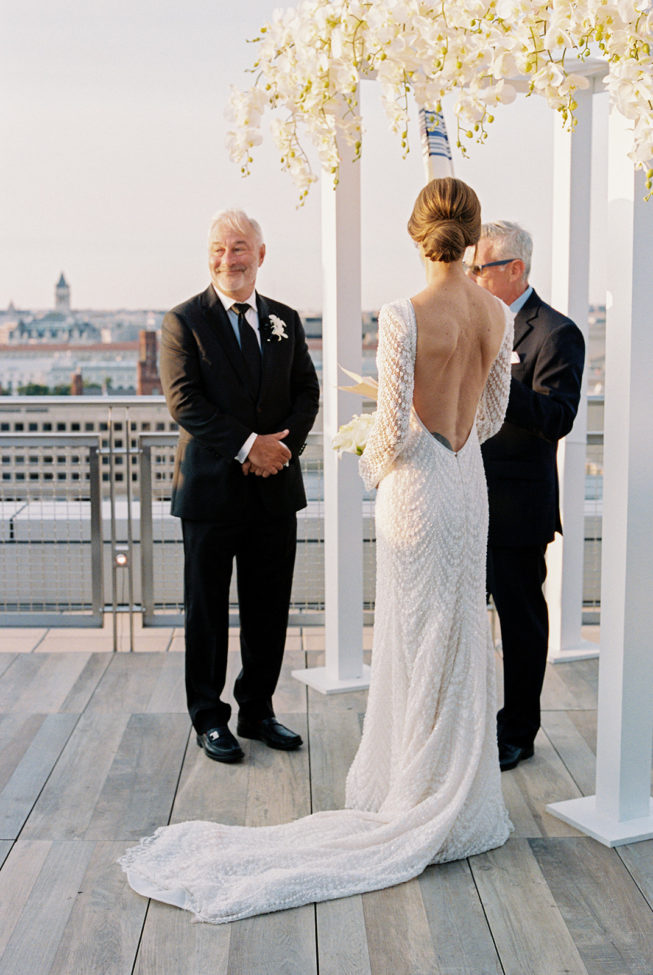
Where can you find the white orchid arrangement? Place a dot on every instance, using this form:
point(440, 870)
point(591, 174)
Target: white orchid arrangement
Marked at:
point(312, 57)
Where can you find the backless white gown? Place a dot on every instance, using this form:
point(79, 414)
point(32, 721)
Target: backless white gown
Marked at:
point(424, 786)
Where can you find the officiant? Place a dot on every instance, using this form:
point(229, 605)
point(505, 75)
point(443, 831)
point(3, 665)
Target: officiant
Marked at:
point(522, 476)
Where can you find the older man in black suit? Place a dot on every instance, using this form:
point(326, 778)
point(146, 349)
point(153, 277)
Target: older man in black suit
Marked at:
point(520, 464)
point(240, 383)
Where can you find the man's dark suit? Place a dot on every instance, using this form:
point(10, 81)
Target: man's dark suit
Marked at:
point(520, 465)
point(225, 514)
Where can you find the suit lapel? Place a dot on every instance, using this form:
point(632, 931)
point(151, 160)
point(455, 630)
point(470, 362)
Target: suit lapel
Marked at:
point(526, 318)
point(221, 327)
point(269, 350)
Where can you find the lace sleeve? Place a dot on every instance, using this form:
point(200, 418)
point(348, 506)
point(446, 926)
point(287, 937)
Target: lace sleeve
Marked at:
point(494, 398)
point(395, 363)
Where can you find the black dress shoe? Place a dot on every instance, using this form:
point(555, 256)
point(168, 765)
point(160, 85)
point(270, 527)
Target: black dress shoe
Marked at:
point(512, 755)
point(271, 732)
point(220, 745)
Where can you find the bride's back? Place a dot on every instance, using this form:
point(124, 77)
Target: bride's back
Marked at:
point(459, 325)
point(459, 332)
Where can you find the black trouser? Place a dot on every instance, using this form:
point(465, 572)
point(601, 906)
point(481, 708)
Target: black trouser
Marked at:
point(515, 579)
point(264, 551)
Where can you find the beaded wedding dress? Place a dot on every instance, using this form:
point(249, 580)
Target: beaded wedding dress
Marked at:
point(424, 786)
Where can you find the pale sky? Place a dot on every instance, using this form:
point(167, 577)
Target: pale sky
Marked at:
point(114, 159)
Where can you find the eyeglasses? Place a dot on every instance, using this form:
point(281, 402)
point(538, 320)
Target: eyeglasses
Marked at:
point(477, 269)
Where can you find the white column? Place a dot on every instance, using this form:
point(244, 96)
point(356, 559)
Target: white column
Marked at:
point(572, 166)
point(622, 809)
point(343, 489)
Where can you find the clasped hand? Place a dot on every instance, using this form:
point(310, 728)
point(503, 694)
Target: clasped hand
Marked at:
point(267, 455)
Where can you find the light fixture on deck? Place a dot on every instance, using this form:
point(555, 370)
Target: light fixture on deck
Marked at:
point(120, 558)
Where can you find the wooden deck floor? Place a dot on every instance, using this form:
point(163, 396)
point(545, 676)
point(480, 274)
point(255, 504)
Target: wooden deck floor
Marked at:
point(97, 751)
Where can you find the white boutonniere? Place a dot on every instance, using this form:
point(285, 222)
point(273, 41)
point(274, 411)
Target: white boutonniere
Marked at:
point(277, 329)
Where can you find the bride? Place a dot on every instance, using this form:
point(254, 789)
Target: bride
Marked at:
point(424, 786)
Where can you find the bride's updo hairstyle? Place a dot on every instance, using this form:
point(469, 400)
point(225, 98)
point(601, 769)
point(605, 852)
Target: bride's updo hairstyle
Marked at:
point(446, 219)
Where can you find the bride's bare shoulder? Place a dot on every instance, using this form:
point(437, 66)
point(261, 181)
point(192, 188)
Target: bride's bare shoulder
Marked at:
point(492, 311)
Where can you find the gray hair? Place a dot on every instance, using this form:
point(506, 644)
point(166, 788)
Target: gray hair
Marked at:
point(511, 240)
point(235, 220)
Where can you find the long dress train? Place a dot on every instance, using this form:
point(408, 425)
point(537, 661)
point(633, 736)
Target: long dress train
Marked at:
point(424, 786)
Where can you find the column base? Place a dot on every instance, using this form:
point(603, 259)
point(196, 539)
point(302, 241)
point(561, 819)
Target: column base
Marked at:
point(583, 650)
point(320, 680)
point(582, 814)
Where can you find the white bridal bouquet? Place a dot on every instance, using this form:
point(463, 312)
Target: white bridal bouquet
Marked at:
point(351, 438)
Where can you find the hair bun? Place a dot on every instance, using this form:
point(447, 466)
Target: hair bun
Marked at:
point(446, 219)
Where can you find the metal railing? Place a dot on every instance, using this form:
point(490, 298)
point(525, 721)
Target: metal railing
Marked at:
point(51, 534)
point(86, 527)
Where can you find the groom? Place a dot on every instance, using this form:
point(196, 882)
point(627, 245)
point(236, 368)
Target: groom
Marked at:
point(240, 383)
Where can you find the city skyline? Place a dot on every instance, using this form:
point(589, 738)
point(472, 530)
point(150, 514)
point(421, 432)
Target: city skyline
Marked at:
point(115, 160)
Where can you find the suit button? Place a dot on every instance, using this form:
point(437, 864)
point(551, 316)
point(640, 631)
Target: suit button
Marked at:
point(259, 409)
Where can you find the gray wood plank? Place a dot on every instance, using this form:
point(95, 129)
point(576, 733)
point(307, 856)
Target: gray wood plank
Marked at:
point(279, 782)
point(608, 918)
point(334, 732)
point(210, 790)
point(459, 930)
point(38, 931)
point(171, 945)
point(5, 849)
point(139, 789)
point(638, 859)
point(17, 732)
point(282, 943)
point(105, 924)
point(6, 660)
point(586, 722)
point(342, 938)
point(528, 930)
point(127, 683)
point(17, 677)
point(169, 692)
point(571, 686)
point(291, 695)
point(529, 787)
point(398, 933)
point(571, 746)
point(85, 685)
point(19, 873)
point(47, 686)
point(31, 773)
point(66, 804)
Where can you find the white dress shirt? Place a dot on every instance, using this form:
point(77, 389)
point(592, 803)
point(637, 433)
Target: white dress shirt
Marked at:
point(251, 316)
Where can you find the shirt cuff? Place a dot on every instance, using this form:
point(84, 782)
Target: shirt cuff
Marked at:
point(241, 456)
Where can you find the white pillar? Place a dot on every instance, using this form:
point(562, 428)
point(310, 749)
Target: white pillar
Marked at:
point(343, 489)
point(622, 809)
point(572, 166)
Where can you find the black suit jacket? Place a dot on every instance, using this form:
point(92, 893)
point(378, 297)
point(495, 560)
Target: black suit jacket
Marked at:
point(520, 461)
point(205, 382)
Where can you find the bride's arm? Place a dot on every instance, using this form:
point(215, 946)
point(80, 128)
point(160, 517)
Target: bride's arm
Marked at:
point(396, 364)
point(494, 398)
